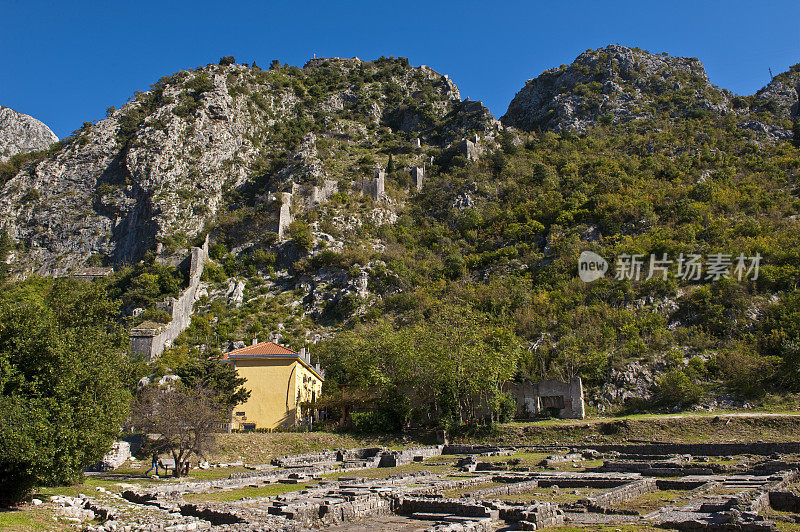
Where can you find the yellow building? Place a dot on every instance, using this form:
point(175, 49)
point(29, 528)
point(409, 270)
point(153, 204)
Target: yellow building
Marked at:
point(279, 380)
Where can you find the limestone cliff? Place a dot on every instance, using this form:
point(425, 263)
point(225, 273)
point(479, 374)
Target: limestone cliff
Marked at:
point(20, 133)
point(159, 168)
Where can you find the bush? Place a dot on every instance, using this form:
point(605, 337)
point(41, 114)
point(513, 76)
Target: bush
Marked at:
point(301, 235)
point(675, 388)
point(213, 273)
point(227, 60)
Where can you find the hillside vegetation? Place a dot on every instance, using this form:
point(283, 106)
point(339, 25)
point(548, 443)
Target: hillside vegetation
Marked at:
point(420, 305)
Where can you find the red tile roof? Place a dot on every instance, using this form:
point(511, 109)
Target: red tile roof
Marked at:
point(262, 349)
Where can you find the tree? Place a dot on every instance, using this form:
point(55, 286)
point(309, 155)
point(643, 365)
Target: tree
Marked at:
point(796, 133)
point(390, 165)
point(217, 376)
point(227, 60)
point(63, 385)
point(184, 419)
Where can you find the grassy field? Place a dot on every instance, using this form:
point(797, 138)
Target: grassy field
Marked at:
point(270, 490)
point(261, 447)
point(605, 528)
point(28, 519)
point(683, 428)
point(563, 496)
point(649, 502)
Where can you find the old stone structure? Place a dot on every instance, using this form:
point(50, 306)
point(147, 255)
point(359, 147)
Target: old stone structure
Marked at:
point(150, 339)
point(418, 175)
point(469, 149)
point(563, 399)
point(312, 195)
point(91, 273)
point(375, 186)
point(284, 214)
point(333, 489)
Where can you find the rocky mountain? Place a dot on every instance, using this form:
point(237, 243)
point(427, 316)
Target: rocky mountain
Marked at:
point(159, 168)
point(367, 200)
point(620, 84)
point(20, 133)
point(780, 96)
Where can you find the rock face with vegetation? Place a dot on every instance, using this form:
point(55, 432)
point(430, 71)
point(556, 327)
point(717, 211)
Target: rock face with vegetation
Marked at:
point(427, 252)
point(161, 167)
point(620, 84)
point(20, 133)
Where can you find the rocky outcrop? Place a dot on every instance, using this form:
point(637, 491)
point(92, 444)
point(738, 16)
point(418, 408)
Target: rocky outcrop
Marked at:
point(20, 133)
point(614, 83)
point(162, 166)
point(780, 96)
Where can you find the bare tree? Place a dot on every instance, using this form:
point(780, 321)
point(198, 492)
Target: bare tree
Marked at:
point(183, 420)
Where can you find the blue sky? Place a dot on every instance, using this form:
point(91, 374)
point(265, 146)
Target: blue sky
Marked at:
point(65, 62)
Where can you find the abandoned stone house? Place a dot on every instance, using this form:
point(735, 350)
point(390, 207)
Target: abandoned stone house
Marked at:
point(548, 397)
point(280, 381)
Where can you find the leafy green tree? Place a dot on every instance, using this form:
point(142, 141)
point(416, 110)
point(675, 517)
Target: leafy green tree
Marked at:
point(63, 388)
point(215, 375)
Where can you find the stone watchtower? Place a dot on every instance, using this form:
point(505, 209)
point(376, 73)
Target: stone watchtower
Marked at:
point(374, 187)
point(418, 175)
point(285, 214)
point(379, 183)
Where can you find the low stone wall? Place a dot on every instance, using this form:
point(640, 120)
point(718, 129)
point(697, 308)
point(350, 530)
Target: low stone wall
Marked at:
point(619, 495)
point(362, 453)
point(369, 506)
point(508, 489)
point(412, 505)
point(306, 459)
point(533, 517)
point(333, 510)
point(406, 456)
point(480, 525)
point(784, 501)
point(560, 459)
point(655, 469)
point(700, 449)
point(439, 487)
point(471, 449)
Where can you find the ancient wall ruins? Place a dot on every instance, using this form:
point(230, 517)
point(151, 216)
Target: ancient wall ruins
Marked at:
point(564, 399)
point(375, 186)
point(150, 342)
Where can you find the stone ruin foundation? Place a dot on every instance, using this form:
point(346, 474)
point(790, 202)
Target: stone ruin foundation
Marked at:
point(559, 398)
point(477, 488)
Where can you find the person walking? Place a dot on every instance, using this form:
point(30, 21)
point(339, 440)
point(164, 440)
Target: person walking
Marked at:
point(153, 464)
